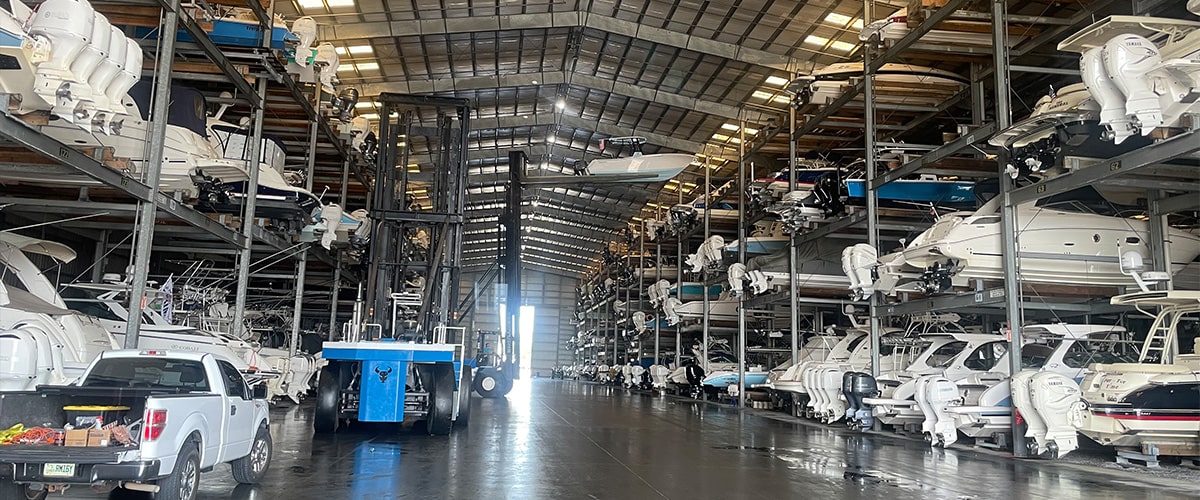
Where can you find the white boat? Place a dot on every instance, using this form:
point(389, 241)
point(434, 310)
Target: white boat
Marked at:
point(720, 358)
point(1061, 242)
point(721, 309)
point(818, 266)
point(655, 167)
point(285, 376)
point(41, 341)
point(1143, 71)
point(824, 381)
point(1156, 401)
point(895, 27)
point(1059, 355)
point(895, 83)
point(818, 348)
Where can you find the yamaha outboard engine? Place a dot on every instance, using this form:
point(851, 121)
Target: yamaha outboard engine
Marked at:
point(856, 386)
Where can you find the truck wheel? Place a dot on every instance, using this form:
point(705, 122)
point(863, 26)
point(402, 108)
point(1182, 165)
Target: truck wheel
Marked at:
point(439, 420)
point(329, 400)
point(184, 480)
point(490, 383)
point(19, 492)
point(464, 399)
point(251, 468)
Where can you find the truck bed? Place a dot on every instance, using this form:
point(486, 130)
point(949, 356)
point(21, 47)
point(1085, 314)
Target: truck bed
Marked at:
point(45, 405)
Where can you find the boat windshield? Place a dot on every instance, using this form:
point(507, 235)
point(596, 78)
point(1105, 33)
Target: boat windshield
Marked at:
point(1036, 355)
point(944, 355)
point(1086, 200)
point(1083, 353)
point(986, 356)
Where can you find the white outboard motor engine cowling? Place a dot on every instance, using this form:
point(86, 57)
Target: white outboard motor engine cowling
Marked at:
point(1059, 402)
point(936, 394)
point(1035, 427)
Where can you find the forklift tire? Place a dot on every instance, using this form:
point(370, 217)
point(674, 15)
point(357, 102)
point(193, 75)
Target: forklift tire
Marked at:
point(329, 400)
point(491, 383)
point(440, 418)
point(464, 399)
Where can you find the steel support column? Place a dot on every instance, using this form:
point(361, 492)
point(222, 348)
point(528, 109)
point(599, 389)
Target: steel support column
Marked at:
point(302, 258)
point(741, 187)
point(793, 263)
point(1008, 213)
point(148, 209)
point(872, 191)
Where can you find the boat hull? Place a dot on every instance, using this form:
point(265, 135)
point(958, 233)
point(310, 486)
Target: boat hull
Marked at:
point(661, 167)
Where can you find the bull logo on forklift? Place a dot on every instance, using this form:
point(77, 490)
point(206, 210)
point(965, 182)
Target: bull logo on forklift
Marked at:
point(383, 374)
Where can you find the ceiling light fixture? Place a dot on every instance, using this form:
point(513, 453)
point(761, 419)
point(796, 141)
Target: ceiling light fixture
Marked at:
point(368, 66)
point(339, 3)
point(776, 80)
point(342, 68)
point(311, 4)
point(560, 104)
point(361, 49)
point(838, 19)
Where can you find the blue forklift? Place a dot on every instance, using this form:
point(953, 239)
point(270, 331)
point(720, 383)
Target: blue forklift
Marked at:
point(412, 364)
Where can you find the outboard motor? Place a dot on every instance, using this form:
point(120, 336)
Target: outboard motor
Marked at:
point(856, 386)
point(1035, 427)
point(695, 379)
point(305, 28)
point(343, 104)
point(1059, 402)
point(938, 393)
point(858, 263)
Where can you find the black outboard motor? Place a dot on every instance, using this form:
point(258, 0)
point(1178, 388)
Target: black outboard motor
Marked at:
point(647, 380)
point(856, 386)
point(695, 378)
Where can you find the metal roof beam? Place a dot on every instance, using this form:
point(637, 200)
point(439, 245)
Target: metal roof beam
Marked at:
point(567, 19)
point(553, 78)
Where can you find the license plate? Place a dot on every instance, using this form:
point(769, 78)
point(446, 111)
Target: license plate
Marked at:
point(58, 470)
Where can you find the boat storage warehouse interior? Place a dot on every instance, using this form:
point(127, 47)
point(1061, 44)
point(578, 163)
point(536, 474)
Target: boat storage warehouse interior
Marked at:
point(599, 249)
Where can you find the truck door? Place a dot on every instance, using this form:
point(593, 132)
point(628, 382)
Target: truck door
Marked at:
point(237, 428)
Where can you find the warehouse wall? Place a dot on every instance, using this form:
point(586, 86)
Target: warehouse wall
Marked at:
point(553, 297)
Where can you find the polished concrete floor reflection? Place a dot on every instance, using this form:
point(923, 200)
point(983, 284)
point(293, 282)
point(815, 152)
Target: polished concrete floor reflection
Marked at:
point(568, 440)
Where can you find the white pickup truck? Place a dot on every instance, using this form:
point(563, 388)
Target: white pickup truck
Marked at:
point(195, 411)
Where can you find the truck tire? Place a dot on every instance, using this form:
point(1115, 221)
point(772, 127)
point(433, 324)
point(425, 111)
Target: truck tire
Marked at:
point(10, 490)
point(251, 468)
point(184, 480)
point(464, 399)
point(491, 383)
point(329, 400)
point(440, 418)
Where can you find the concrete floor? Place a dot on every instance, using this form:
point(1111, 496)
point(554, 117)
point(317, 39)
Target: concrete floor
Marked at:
point(567, 440)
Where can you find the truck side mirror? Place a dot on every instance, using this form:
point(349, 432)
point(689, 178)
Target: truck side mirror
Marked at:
point(259, 391)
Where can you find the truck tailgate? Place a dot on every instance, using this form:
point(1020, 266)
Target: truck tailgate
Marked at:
point(18, 453)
